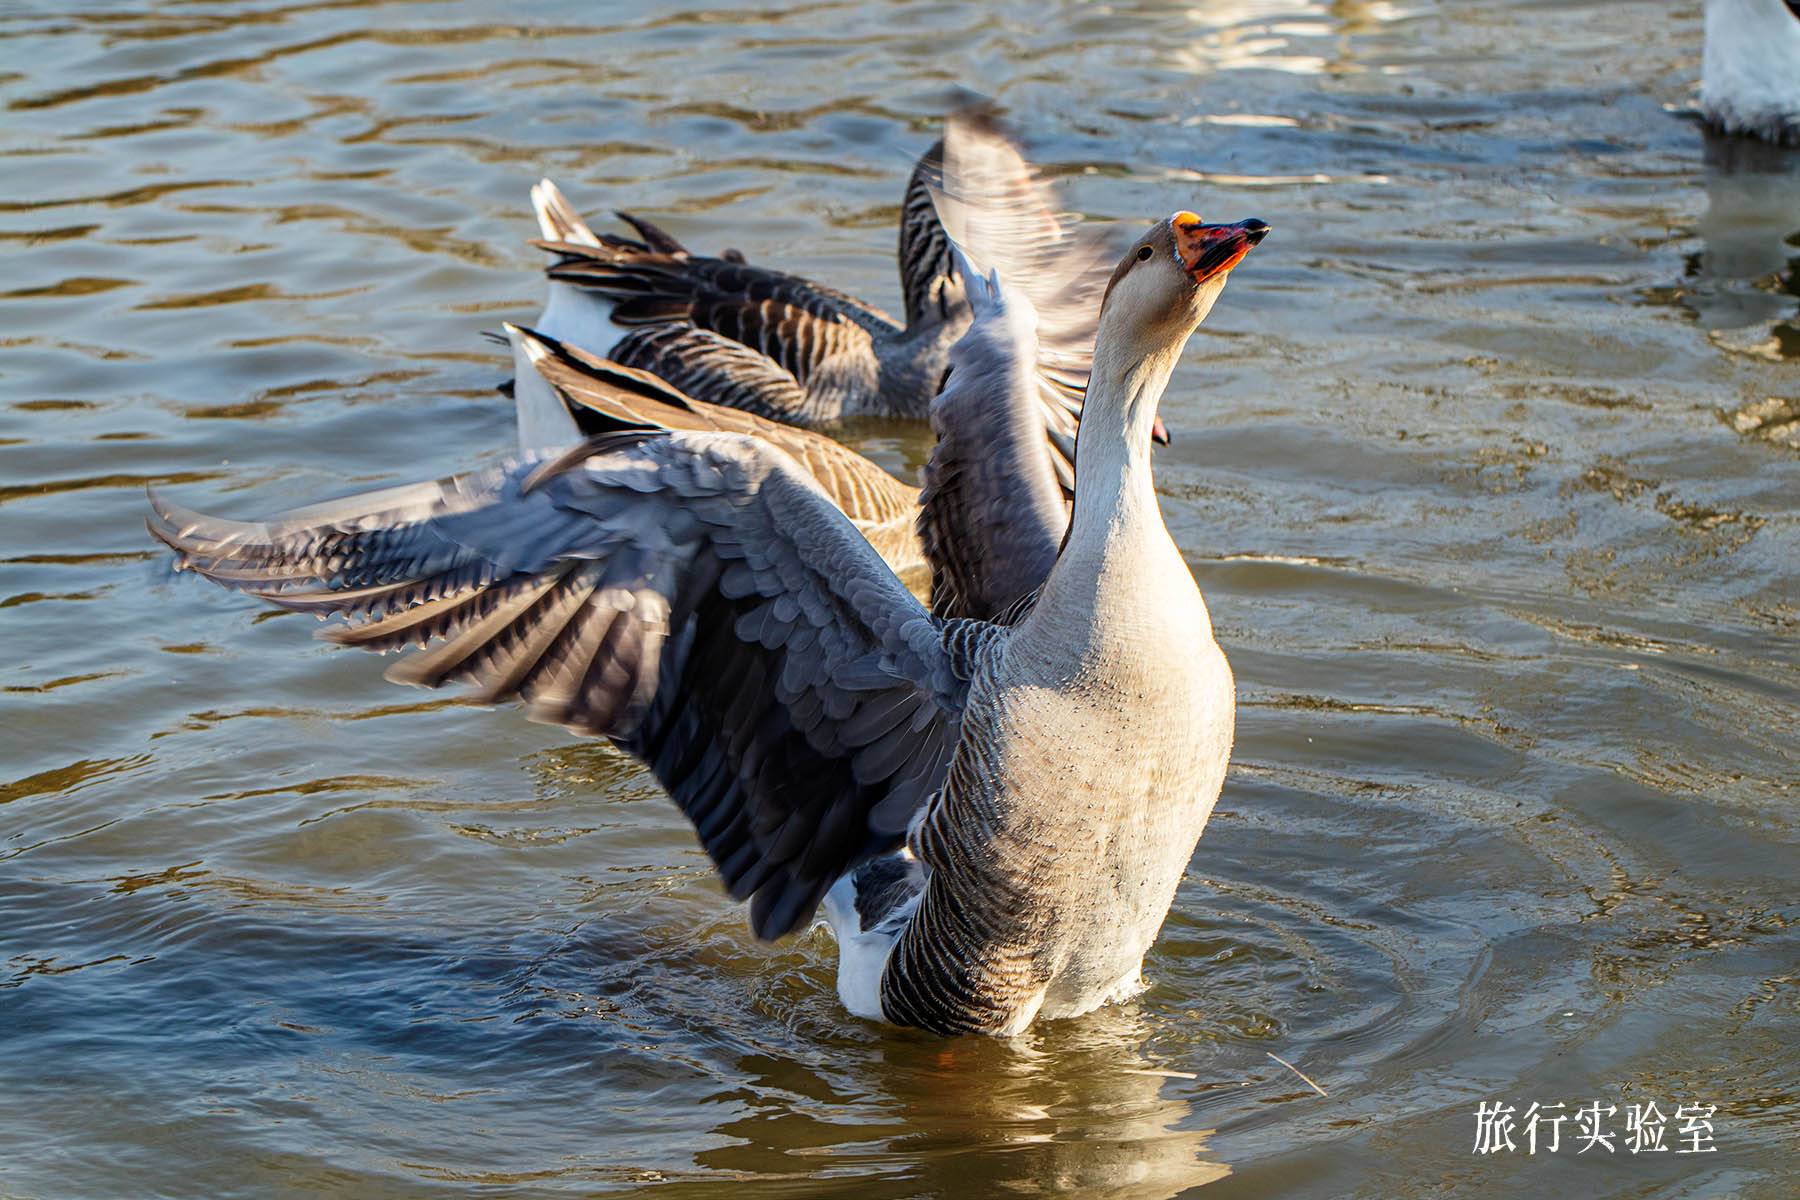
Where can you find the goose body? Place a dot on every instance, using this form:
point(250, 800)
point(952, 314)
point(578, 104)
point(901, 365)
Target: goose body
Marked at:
point(1751, 69)
point(1087, 808)
point(995, 813)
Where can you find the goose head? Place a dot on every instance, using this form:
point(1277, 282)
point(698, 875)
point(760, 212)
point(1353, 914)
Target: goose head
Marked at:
point(1166, 284)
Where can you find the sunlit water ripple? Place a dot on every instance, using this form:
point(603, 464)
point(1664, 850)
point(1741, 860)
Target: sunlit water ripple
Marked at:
point(1487, 464)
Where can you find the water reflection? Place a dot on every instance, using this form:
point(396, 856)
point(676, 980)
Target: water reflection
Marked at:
point(1279, 35)
point(1744, 283)
point(1073, 1109)
point(1077, 1109)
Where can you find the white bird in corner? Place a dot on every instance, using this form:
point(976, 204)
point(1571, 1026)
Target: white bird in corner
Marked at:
point(995, 813)
point(1750, 77)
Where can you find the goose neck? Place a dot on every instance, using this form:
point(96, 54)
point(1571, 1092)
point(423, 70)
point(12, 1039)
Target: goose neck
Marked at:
point(1115, 493)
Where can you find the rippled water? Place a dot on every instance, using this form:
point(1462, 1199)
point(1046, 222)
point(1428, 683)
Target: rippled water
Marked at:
point(1487, 464)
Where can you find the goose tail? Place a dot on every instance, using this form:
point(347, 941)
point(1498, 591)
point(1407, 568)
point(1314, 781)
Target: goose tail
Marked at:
point(556, 217)
point(545, 422)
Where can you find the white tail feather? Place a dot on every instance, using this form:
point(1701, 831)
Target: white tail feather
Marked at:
point(545, 422)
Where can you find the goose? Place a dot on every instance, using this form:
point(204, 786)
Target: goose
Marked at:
point(993, 815)
point(1750, 74)
point(784, 347)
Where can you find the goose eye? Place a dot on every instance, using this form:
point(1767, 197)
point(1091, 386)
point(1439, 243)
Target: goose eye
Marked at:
point(1144, 253)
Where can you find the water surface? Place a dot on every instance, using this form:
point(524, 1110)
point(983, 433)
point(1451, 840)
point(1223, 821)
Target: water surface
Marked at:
point(1487, 463)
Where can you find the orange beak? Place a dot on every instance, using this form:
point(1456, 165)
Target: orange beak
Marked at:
point(1209, 250)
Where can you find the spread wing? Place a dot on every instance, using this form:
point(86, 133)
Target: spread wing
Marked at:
point(803, 326)
point(992, 512)
point(715, 369)
point(995, 207)
point(997, 210)
point(798, 325)
point(561, 224)
point(605, 395)
point(690, 596)
point(928, 277)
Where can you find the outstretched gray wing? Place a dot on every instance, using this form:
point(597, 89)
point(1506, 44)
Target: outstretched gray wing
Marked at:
point(690, 596)
point(992, 512)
